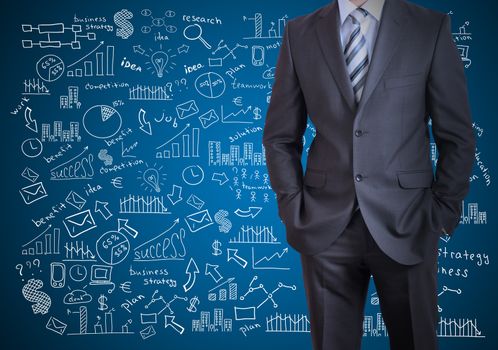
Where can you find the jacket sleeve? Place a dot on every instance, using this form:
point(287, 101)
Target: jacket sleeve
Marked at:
point(448, 106)
point(285, 125)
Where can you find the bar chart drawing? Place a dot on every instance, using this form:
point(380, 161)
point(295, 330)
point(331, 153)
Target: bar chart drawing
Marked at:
point(271, 33)
point(97, 63)
point(187, 147)
point(46, 243)
point(461, 328)
point(78, 251)
point(287, 323)
point(223, 294)
point(132, 204)
point(35, 87)
point(255, 235)
point(149, 93)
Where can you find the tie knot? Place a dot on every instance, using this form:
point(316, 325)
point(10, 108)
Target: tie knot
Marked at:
point(358, 15)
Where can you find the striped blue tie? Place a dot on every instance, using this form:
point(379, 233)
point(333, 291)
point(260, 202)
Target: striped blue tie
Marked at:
point(356, 53)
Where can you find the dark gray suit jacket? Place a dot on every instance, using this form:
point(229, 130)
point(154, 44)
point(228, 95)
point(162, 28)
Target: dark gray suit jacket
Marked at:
point(378, 151)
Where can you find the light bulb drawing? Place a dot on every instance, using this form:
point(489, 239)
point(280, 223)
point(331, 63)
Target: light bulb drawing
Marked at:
point(152, 178)
point(160, 61)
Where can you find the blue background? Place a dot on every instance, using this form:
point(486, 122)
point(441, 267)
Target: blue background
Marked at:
point(21, 329)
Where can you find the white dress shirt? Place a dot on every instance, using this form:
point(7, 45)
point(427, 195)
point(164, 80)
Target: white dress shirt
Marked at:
point(369, 26)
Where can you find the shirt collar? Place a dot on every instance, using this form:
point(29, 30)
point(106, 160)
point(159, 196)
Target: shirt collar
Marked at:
point(374, 7)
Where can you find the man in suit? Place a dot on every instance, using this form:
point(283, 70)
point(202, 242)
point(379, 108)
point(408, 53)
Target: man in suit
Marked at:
point(369, 74)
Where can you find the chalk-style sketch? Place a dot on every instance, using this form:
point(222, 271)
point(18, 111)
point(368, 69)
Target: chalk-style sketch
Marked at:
point(125, 28)
point(210, 85)
point(55, 36)
point(145, 206)
point(56, 325)
point(287, 323)
point(193, 175)
point(158, 22)
point(59, 134)
point(32, 147)
point(32, 293)
point(98, 62)
point(102, 121)
point(35, 87)
point(112, 247)
point(46, 243)
point(33, 193)
point(274, 31)
point(218, 323)
point(79, 223)
point(50, 67)
point(199, 220)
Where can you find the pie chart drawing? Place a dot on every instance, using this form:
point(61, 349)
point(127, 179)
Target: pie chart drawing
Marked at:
point(50, 68)
point(210, 85)
point(113, 247)
point(102, 121)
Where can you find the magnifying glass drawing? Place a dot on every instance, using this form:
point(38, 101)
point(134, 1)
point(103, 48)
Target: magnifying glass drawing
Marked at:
point(194, 32)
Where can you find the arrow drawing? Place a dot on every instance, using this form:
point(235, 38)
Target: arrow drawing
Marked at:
point(30, 122)
point(252, 212)
point(232, 255)
point(101, 207)
point(212, 270)
point(192, 270)
point(138, 49)
point(221, 178)
point(144, 124)
point(176, 195)
point(169, 321)
point(123, 226)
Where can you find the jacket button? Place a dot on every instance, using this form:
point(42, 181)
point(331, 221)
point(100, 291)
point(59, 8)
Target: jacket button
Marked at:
point(358, 133)
point(358, 177)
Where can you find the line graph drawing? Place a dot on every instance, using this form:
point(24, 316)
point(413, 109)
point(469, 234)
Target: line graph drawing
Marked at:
point(271, 262)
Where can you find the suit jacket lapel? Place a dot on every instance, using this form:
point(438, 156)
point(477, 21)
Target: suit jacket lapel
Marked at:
point(388, 36)
point(328, 32)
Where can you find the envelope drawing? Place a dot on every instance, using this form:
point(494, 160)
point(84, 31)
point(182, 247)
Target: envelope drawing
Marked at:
point(199, 220)
point(195, 201)
point(33, 193)
point(75, 200)
point(56, 326)
point(147, 332)
point(79, 223)
point(30, 174)
point(186, 109)
point(209, 118)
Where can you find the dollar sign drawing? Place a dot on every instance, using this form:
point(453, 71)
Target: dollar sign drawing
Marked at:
point(193, 302)
point(40, 299)
point(102, 305)
point(216, 248)
point(125, 27)
point(221, 218)
point(105, 157)
point(257, 113)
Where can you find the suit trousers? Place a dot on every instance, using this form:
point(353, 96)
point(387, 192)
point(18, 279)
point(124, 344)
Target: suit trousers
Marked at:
point(336, 282)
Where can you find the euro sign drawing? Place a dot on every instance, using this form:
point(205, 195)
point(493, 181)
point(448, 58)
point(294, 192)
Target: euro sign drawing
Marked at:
point(125, 29)
point(40, 299)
